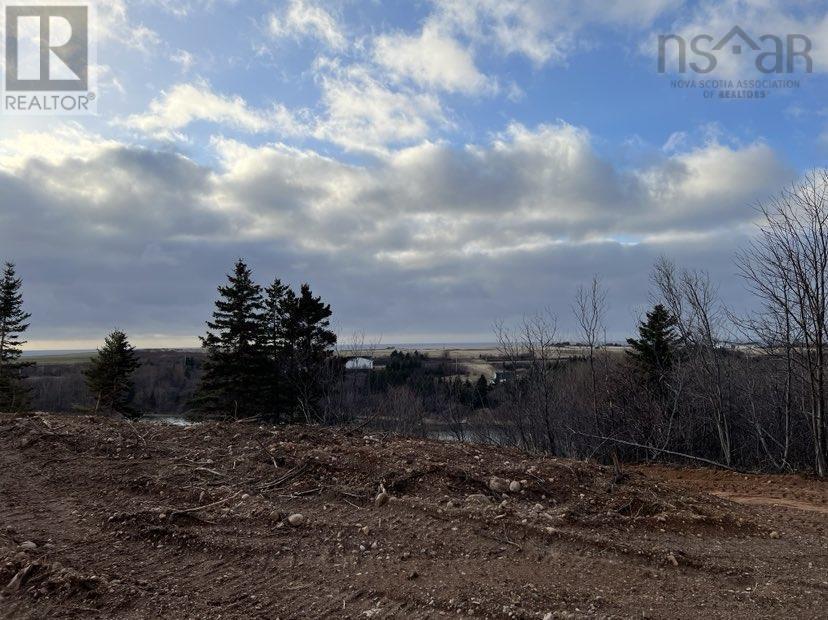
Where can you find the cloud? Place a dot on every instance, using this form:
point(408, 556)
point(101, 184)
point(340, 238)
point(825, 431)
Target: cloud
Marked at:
point(183, 8)
point(356, 111)
point(53, 147)
point(712, 183)
point(191, 102)
point(432, 60)
point(113, 23)
point(543, 32)
point(302, 18)
point(362, 113)
point(389, 91)
point(183, 59)
point(434, 237)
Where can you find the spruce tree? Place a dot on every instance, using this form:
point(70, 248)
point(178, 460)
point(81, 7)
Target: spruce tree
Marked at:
point(109, 377)
point(481, 392)
point(655, 347)
point(233, 379)
point(14, 395)
point(273, 319)
point(305, 342)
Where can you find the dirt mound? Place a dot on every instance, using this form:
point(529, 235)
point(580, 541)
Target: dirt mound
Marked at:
point(244, 520)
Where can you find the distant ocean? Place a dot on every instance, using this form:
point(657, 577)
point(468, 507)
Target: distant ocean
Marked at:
point(437, 345)
point(405, 346)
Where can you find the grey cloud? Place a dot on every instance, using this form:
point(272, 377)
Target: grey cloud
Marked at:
point(431, 242)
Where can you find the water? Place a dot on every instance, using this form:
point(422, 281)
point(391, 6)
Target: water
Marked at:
point(171, 420)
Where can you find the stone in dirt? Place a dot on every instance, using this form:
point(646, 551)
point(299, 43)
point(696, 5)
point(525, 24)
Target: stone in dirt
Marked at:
point(382, 500)
point(478, 499)
point(515, 486)
point(28, 545)
point(498, 485)
point(296, 519)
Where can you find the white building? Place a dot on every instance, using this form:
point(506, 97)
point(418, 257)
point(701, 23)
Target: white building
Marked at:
point(359, 363)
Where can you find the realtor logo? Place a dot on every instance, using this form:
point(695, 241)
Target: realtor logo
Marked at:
point(770, 53)
point(49, 55)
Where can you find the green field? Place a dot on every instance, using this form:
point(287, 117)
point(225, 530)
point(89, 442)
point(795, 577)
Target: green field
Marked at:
point(59, 358)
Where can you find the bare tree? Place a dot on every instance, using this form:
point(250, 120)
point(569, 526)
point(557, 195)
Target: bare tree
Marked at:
point(786, 266)
point(694, 301)
point(590, 310)
point(531, 353)
point(772, 336)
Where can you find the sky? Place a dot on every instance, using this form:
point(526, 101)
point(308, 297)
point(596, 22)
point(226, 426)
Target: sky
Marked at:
point(429, 167)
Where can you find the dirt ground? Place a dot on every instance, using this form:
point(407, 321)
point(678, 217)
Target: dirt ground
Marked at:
point(102, 518)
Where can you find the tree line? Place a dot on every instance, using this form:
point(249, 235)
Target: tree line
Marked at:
point(681, 389)
point(266, 353)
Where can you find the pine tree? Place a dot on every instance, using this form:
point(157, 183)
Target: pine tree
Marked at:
point(13, 322)
point(655, 348)
point(109, 377)
point(306, 344)
point(233, 379)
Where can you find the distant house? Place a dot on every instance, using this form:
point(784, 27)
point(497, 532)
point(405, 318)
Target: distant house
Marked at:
point(359, 363)
point(501, 376)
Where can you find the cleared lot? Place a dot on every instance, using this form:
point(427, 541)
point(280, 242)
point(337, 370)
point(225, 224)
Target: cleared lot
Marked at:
point(112, 519)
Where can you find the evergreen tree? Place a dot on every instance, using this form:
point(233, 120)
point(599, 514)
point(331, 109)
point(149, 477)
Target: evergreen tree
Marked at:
point(273, 318)
point(109, 377)
point(305, 346)
point(14, 396)
point(655, 347)
point(233, 379)
point(481, 392)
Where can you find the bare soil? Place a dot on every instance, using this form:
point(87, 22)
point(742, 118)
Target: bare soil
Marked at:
point(109, 519)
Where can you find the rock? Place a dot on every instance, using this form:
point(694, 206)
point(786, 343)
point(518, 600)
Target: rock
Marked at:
point(498, 485)
point(365, 530)
point(514, 486)
point(18, 580)
point(548, 616)
point(296, 519)
point(28, 545)
point(774, 534)
point(478, 499)
point(672, 559)
point(382, 499)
